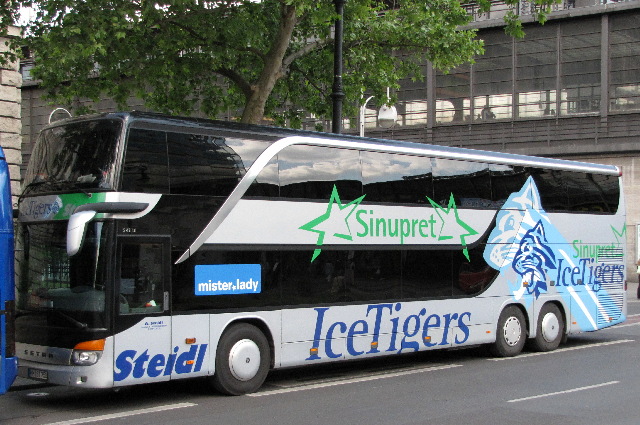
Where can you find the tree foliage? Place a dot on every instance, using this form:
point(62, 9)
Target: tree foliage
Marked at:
point(266, 57)
point(8, 15)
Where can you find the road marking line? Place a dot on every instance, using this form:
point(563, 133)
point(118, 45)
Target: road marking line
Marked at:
point(124, 414)
point(561, 350)
point(515, 400)
point(352, 380)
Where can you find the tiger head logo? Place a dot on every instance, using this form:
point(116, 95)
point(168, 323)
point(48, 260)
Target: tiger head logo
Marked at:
point(534, 259)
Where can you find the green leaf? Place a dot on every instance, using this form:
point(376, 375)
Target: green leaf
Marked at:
point(185, 56)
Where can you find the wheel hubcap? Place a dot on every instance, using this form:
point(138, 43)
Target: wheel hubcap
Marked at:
point(512, 331)
point(244, 359)
point(550, 327)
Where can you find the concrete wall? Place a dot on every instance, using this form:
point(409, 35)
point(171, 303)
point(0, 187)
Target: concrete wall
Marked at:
point(10, 124)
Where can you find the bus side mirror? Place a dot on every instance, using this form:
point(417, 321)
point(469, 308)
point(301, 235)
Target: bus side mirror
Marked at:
point(75, 230)
point(85, 213)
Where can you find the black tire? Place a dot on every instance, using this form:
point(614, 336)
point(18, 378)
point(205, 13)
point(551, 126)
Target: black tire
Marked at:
point(243, 360)
point(511, 333)
point(549, 329)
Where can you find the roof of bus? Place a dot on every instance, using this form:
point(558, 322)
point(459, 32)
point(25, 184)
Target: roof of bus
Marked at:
point(136, 117)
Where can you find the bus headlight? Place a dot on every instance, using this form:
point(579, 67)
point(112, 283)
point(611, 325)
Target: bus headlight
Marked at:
point(85, 358)
point(87, 353)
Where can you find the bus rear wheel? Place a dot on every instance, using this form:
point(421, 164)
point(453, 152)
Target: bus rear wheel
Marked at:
point(242, 360)
point(511, 333)
point(549, 330)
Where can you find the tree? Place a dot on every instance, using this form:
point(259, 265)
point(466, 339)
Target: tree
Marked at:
point(262, 57)
point(8, 15)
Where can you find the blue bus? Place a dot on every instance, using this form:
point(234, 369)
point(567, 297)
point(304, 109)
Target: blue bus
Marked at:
point(8, 359)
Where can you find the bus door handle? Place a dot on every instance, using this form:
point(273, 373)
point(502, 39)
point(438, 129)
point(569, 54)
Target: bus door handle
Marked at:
point(165, 301)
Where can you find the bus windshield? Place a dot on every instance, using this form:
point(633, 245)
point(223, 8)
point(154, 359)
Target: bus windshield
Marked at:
point(72, 289)
point(76, 155)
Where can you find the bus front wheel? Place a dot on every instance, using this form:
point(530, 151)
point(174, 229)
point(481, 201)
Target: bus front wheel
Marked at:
point(242, 360)
point(550, 329)
point(511, 333)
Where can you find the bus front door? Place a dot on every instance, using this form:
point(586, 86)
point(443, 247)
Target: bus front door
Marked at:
point(142, 341)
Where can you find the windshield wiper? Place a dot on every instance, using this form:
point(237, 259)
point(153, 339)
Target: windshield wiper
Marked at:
point(74, 184)
point(53, 181)
point(77, 323)
point(29, 187)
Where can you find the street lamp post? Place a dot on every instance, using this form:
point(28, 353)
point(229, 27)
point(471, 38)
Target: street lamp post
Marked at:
point(363, 109)
point(338, 94)
point(387, 115)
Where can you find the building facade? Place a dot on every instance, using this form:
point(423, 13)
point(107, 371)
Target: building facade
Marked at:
point(10, 123)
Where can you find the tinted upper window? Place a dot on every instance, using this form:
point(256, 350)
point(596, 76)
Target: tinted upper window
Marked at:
point(311, 172)
point(594, 193)
point(608, 188)
point(468, 182)
point(266, 184)
point(574, 191)
point(202, 165)
point(505, 180)
point(182, 163)
point(552, 188)
point(396, 178)
point(146, 164)
point(185, 163)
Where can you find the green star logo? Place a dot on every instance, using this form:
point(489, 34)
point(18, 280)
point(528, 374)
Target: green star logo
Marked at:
point(453, 228)
point(334, 223)
point(619, 234)
point(335, 217)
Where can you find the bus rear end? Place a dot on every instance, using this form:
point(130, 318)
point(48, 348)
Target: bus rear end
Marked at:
point(8, 365)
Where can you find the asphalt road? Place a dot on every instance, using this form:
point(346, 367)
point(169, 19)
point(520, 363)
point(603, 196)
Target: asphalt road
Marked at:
point(593, 379)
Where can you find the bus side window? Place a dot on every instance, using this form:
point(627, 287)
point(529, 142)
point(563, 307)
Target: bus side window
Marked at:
point(505, 180)
point(266, 183)
point(202, 165)
point(394, 178)
point(311, 172)
point(469, 183)
point(141, 278)
point(146, 163)
point(609, 189)
point(587, 192)
point(553, 189)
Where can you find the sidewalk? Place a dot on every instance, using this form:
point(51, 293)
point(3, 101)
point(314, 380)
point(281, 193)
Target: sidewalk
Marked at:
point(632, 291)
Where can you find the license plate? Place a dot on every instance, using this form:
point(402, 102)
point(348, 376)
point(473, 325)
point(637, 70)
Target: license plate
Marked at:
point(40, 375)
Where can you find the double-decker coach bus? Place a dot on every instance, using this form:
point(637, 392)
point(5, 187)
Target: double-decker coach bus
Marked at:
point(158, 248)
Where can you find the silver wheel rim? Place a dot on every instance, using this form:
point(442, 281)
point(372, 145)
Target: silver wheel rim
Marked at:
point(550, 327)
point(244, 359)
point(512, 331)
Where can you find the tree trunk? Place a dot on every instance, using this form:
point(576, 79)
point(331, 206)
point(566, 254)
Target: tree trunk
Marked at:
point(272, 70)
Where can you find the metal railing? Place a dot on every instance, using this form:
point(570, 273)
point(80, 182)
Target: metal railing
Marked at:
point(527, 7)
